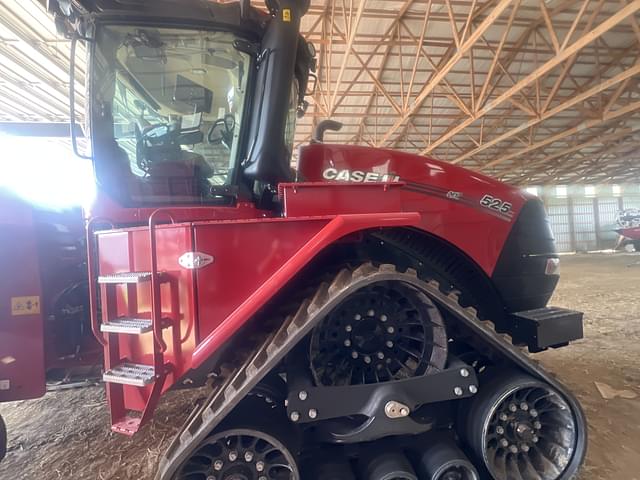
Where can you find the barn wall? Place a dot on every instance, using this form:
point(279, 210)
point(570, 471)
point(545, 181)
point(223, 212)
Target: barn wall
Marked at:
point(583, 222)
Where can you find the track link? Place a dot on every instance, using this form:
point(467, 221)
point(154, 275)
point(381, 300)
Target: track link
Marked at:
point(246, 372)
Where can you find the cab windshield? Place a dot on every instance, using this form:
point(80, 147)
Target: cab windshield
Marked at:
point(167, 113)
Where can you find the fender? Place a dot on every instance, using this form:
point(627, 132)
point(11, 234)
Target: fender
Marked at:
point(453, 201)
point(335, 229)
point(252, 259)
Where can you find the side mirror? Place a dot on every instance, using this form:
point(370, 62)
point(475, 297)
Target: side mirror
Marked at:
point(62, 16)
point(301, 109)
point(61, 25)
point(62, 6)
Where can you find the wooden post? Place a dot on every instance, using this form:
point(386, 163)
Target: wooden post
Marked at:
point(596, 220)
point(572, 226)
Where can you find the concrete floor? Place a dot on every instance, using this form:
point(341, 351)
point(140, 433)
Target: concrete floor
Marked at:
point(65, 435)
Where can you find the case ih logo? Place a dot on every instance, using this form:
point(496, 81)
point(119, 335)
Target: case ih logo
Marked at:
point(358, 176)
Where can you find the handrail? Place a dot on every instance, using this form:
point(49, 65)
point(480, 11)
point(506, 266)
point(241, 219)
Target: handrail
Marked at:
point(93, 294)
point(72, 98)
point(156, 305)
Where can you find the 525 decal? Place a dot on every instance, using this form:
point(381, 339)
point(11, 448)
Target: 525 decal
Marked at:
point(489, 201)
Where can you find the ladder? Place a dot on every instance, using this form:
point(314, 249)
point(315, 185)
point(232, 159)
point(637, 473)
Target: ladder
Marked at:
point(133, 387)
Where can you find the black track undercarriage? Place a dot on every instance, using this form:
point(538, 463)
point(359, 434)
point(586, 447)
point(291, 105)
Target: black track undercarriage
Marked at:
point(378, 375)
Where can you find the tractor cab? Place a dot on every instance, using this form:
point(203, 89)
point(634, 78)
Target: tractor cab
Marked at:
point(186, 104)
point(191, 109)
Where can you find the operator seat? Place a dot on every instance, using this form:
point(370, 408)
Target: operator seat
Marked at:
point(184, 177)
point(114, 172)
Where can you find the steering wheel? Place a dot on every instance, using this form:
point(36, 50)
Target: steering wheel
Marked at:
point(154, 134)
point(221, 132)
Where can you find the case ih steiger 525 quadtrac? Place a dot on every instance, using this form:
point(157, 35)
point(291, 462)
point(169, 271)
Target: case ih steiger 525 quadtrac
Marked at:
point(363, 317)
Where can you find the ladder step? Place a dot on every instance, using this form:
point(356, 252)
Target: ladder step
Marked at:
point(134, 374)
point(131, 326)
point(125, 277)
point(127, 426)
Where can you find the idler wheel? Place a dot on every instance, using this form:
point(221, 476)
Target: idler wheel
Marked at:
point(521, 427)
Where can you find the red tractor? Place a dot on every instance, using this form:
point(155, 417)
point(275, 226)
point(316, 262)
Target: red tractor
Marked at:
point(628, 228)
point(362, 317)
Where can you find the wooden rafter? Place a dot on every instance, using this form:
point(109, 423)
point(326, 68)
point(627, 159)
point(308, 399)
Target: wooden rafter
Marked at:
point(587, 38)
point(523, 90)
point(633, 107)
point(570, 102)
point(457, 55)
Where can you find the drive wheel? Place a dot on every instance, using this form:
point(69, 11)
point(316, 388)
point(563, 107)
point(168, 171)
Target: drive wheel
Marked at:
point(522, 428)
point(386, 331)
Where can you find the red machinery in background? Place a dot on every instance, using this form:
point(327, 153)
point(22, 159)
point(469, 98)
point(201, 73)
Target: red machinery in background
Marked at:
point(44, 295)
point(44, 303)
point(362, 317)
point(629, 227)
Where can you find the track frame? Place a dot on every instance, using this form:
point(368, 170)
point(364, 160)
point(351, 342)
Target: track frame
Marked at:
point(263, 357)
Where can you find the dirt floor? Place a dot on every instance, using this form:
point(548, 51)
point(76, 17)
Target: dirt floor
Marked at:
point(65, 435)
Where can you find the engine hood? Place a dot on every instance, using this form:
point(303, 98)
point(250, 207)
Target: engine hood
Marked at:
point(420, 175)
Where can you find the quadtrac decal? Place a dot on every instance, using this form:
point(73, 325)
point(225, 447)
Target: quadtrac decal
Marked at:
point(488, 203)
point(358, 176)
point(503, 211)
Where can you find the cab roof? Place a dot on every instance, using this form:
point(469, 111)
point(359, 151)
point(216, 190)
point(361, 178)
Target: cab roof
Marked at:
point(196, 11)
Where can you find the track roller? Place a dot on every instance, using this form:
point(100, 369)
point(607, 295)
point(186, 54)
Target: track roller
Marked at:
point(387, 465)
point(521, 427)
point(443, 460)
point(330, 467)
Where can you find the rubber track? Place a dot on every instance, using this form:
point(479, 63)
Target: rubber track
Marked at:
point(246, 374)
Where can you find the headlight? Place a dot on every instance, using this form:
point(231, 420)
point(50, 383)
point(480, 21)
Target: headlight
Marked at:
point(552, 267)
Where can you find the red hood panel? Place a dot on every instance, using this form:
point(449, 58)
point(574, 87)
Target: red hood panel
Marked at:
point(322, 162)
point(467, 209)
